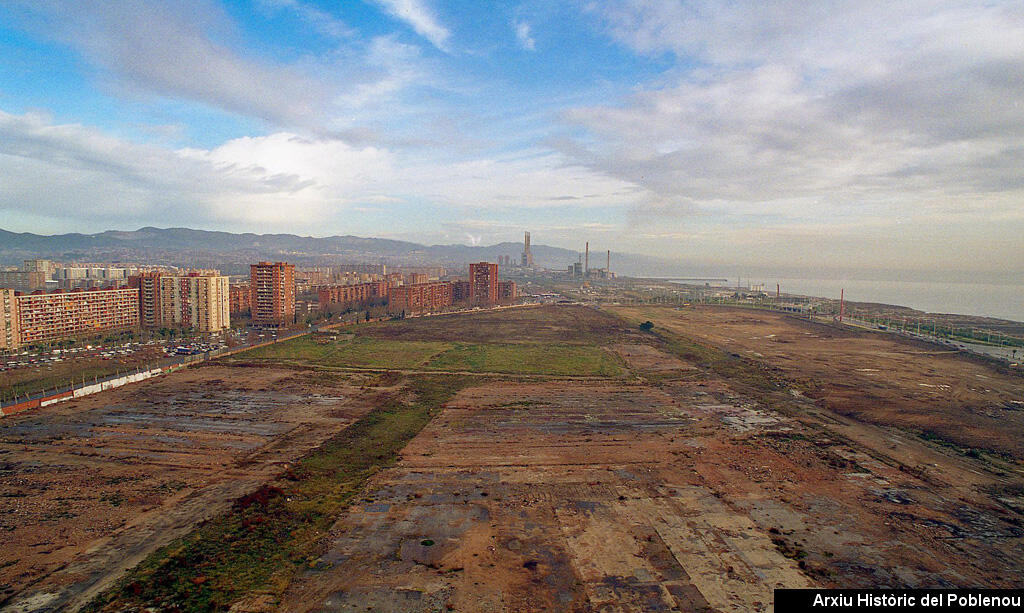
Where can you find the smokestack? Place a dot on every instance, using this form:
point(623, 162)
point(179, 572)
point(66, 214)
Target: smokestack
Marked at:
point(586, 267)
point(842, 304)
point(608, 264)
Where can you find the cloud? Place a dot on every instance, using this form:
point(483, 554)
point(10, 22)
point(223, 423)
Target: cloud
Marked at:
point(178, 51)
point(323, 22)
point(523, 35)
point(796, 110)
point(421, 18)
point(60, 174)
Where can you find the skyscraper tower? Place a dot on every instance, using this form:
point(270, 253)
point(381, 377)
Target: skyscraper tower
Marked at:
point(527, 256)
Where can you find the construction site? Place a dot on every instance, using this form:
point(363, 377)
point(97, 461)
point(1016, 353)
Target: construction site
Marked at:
point(556, 458)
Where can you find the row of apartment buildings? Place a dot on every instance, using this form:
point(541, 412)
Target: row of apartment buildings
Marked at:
point(197, 300)
point(483, 288)
point(204, 301)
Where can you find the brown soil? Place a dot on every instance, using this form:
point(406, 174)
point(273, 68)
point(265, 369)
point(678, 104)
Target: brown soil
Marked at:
point(874, 378)
point(89, 487)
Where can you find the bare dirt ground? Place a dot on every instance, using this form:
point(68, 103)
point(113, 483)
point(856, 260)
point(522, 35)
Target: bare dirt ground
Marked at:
point(681, 495)
point(672, 488)
point(89, 487)
point(871, 377)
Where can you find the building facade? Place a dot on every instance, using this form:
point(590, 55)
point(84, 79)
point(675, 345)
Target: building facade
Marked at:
point(420, 298)
point(23, 280)
point(239, 299)
point(272, 287)
point(506, 291)
point(46, 317)
point(9, 337)
point(352, 295)
point(483, 280)
point(197, 301)
point(150, 309)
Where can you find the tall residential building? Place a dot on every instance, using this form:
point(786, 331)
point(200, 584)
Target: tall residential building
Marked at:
point(45, 317)
point(150, 309)
point(273, 293)
point(483, 282)
point(9, 337)
point(197, 301)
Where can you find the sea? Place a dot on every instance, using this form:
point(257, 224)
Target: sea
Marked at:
point(1005, 301)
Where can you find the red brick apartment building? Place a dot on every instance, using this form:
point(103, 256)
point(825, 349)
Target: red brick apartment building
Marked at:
point(272, 288)
point(506, 291)
point(483, 281)
point(239, 299)
point(45, 317)
point(148, 283)
point(358, 293)
point(460, 291)
point(420, 298)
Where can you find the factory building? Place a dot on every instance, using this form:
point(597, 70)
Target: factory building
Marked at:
point(483, 280)
point(46, 317)
point(272, 288)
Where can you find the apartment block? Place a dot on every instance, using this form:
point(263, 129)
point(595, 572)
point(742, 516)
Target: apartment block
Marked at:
point(420, 298)
point(239, 299)
point(150, 310)
point(506, 291)
point(23, 280)
point(483, 281)
point(9, 337)
point(350, 295)
point(46, 317)
point(197, 301)
point(460, 291)
point(416, 278)
point(272, 287)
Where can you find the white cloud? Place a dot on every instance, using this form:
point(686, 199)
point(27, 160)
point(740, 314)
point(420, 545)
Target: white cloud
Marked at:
point(421, 18)
point(524, 36)
point(178, 50)
point(795, 110)
point(64, 172)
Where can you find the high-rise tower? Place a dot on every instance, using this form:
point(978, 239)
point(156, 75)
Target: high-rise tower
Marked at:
point(527, 256)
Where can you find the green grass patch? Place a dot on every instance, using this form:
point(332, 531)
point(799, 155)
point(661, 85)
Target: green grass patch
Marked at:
point(359, 352)
point(530, 358)
point(271, 533)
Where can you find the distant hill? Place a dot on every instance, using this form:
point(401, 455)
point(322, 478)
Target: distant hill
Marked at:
point(230, 252)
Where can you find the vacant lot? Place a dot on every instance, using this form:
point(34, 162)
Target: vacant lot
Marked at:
point(361, 351)
point(91, 486)
point(678, 476)
point(553, 324)
point(872, 377)
point(534, 358)
point(470, 342)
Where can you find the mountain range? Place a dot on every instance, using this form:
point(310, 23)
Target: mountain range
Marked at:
point(231, 252)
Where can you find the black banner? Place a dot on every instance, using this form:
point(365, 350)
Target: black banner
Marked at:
point(865, 601)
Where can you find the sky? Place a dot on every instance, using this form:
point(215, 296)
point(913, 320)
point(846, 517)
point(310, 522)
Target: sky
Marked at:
point(833, 134)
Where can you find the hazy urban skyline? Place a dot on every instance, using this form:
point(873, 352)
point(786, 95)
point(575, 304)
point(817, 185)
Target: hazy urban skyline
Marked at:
point(840, 134)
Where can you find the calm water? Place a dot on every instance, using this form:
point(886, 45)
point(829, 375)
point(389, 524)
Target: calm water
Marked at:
point(1005, 301)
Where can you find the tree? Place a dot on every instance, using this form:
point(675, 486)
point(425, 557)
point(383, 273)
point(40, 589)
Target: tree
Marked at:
point(367, 315)
point(646, 326)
